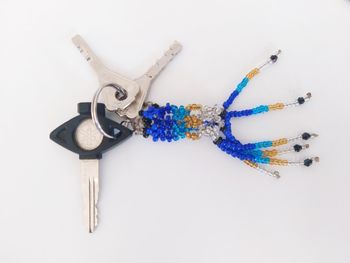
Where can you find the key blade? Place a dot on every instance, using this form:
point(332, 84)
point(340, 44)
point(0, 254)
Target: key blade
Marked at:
point(88, 54)
point(161, 63)
point(145, 81)
point(108, 79)
point(90, 190)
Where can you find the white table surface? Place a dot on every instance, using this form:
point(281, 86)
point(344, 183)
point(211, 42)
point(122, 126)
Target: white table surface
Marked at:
point(185, 201)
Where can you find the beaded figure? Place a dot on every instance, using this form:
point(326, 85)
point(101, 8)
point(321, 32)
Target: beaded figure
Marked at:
point(172, 123)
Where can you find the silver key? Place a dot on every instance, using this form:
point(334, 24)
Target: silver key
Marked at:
point(145, 80)
point(119, 91)
point(89, 138)
point(90, 189)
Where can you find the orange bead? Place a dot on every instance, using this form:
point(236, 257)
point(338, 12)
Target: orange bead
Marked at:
point(278, 161)
point(270, 153)
point(194, 136)
point(276, 106)
point(251, 164)
point(279, 142)
point(252, 73)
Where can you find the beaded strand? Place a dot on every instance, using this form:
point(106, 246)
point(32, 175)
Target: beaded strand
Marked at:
point(172, 123)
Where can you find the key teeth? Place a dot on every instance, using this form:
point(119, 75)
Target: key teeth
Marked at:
point(76, 39)
point(176, 47)
point(96, 218)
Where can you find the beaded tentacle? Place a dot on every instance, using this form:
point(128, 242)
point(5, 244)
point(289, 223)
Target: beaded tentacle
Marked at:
point(240, 87)
point(172, 123)
point(266, 108)
point(250, 153)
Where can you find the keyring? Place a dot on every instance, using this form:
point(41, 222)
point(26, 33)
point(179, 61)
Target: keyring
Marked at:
point(94, 102)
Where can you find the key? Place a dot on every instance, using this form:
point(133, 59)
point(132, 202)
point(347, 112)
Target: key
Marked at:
point(146, 79)
point(88, 138)
point(119, 91)
point(80, 136)
point(120, 94)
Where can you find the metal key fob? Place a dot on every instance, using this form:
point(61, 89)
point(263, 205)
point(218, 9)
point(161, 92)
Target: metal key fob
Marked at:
point(80, 136)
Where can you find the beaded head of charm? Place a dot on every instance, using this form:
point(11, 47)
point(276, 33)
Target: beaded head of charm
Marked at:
point(171, 123)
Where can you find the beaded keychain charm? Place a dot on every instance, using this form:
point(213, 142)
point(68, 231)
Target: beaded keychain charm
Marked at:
point(171, 123)
point(91, 133)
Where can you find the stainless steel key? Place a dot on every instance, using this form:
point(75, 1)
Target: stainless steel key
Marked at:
point(146, 79)
point(119, 91)
point(120, 94)
point(88, 138)
point(81, 136)
point(90, 190)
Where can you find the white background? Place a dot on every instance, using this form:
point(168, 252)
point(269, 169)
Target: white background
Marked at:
point(185, 201)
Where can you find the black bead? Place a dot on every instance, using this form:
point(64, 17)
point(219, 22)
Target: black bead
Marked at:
point(306, 136)
point(222, 129)
point(146, 122)
point(297, 148)
point(141, 113)
point(218, 141)
point(274, 58)
point(223, 114)
point(307, 162)
point(301, 100)
point(145, 134)
point(155, 105)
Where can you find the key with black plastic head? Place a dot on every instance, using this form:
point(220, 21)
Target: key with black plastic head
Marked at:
point(80, 136)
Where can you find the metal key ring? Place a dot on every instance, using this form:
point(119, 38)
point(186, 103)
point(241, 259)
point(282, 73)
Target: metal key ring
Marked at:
point(94, 115)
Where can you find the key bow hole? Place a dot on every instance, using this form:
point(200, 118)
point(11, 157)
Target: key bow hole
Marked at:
point(120, 93)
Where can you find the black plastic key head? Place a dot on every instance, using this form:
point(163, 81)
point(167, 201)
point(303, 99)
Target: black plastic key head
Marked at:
point(80, 135)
